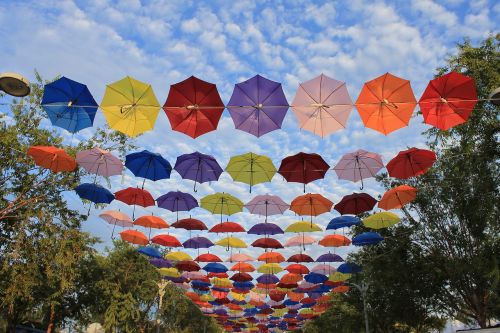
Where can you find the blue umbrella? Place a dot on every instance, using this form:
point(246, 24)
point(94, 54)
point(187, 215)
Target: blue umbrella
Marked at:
point(348, 268)
point(315, 278)
point(176, 201)
point(243, 285)
point(94, 193)
point(149, 251)
point(148, 165)
point(265, 229)
point(215, 267)
point(289, 302)
point(198, 167)
point(69, 104)
point(367, 238)
point(198, 243)
point(343, 221)
point(329, 257)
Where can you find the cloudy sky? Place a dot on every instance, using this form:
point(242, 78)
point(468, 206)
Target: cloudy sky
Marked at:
point(162, 42)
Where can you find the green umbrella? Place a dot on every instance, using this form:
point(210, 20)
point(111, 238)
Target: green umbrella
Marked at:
point(251, 169)
point(222, 203)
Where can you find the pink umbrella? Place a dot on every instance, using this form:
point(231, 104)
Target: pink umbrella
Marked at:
point(300, 240)
point(240, 257)
point(322, 105)
point(358, 165)
point(267, 205)
point(116, 218)
point(323, 269)
point(100, 162)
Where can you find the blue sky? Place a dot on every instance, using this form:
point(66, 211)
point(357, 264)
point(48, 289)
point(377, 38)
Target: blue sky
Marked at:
point(162, 42)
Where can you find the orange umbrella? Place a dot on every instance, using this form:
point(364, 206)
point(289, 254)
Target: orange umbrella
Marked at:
point(151, 221)
point(290, 278)
point(296, 297)
point(335, 241)
point(52, 158)
point(311, 204)
point(386, 103)
point(341, 289)
point(242, 267)
point(134, 237)
point(271, 257)
point(397, 197)
point(166, 240)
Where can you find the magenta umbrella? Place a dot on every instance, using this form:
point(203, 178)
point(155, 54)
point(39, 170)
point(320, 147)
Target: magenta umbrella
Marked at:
point(322, 105)
point(100, 162)
point(358, 165)
point(267, 205)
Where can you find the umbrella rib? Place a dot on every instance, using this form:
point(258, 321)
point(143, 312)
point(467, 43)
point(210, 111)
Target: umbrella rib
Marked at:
point(116, 91)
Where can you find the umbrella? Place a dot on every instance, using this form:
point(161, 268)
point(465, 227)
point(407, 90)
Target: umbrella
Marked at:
point(268, 279)
point(367, 238)
point(148, 165)
point(358, 165)
point(241, 277)
point(448, 100)
point(149, 251)
point(386, 103)
point(297, 269)
point(130, 106)
point(160, 263)
point(291, 278)
point(300, 240)
point(269, 268)
point(69, 104)
point(301, 257)
point(339, 277)
point(311, 204)
point(315, 278)
point(258, 106)
point(334, 241)
point(251, 169)
point(265, 229)
point(166, 240)
point(52, 158)
point(100, 162)
point(176, 201)
point(343, 221)
point(150, 221)
point(198, 243)
point(187, 266)
point(198, 167)
point(94, 193)
point(303, 226)
point(349, 268)
point(267, 205)
point(193, 107)
point(341, 289)
point(303, 168)
point(231, 242)
point(271, 257)
point(355, 204)
point(116, 218)
point(323, 269)
point(134, 237)
point(178, 256)
point(410, 163)
point(222, 203)
point(381, 220)
point(322, 105)
point(329, 257)
point(135, 196)
point(240, 257)
point(208, 257)
point(189, 224)
point(169, 272)
point(397, 197)
point(215, 267)
point(242, 267)
point(227, 227)
point(267, 243)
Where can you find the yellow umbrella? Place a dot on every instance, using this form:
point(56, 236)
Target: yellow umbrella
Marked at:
point(207, 297)
point(339, 277)
point(178, 256)
point(170, 272)
point(130, 106)
point(271, 268)
point(231, 242)
point(381, 220)
point(303, 226)
point(251, 169)
point(280, 312)
point(238, 296)
point(222, 282)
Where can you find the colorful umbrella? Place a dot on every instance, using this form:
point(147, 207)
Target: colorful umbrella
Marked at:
point(130, 106)
point(297, 269)
point(323, 269)
point(198, 243)
point(397, 197)
point(100, 162)
point(342, 222)
point(169, 272)
point(176, 201)
point(267, 205)
point(193, 107)
point(303, 168)
point(367, 238)
point(227, 227)
point(251, 169)
point(166, 240)
point(311, 204)
point(52, 158)
point(231, 242)
point(301, 257)
point(334, 241)
point(322, 105)
point(358, 165)
point(349, 268)
point(268, 279)
point(329, 257)
point(222, 203)
point(242, 267)
point(69, 104)
point(300, 240)
point(303, 226)
point(215, 267)
point(178, 256)
point(410, 163)
point(149, 251)
point(189, 224)
point(208, 257)
point(265, 229)
point(198, 167)
point(271, 257)
point(148, 165)
point(94, 193)
point(187, 266)
point(116, 218)
point(258, 106)
point(240, 257)
point(448, 100)
point(386, 103)
point(134, 237)
point(381, 220)
point(269, 268)
point(355, 204)
point(135, 196)
point(241, 277)
point(267, 243)
point(150, 221)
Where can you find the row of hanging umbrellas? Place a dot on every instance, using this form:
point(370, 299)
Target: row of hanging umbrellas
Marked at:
point(258, 105)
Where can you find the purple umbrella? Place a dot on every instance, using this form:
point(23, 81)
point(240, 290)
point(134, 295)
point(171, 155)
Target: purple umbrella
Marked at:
point(265, 229)
point(258, 106)
point(198, 167)
point(198, 243)
point(358, 165)
point(176, 201)
point(160, 263)
point(267, 205)
point(329, 257)
point(268, 279)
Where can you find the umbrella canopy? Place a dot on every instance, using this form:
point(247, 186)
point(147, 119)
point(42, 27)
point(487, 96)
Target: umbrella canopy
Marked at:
point(166, 240)
point(135, 196)
point(151, 221)
point(198, 167)
point(189, 224)
point(334, 241)
point(267, 205)
point(381, 220)
point(265, 229)
point(303, 226)
point(241, 277)
point(69, 104)
point(397, 197)
point(358, 165)
point(323, 269)
point(300, 240)
point(94, 193)
point(148, 165)
point(297, 269)
point(339, 277)
point(386, 103)
point(208, 257)
point(239, 257)
point(315, 277)
point(231, 242)
point(355, 204)
point(176, 201)
point(222, 203)
point(258, 106)
point(169, 272)
point(410, 163)
point(322, 105)
point(215, 267)
point(301, 257)
point(116, 218)
point(342, 222)
point(187, 266)
point(269, 268)
point(291, 278)
point(178, 256)
point(193, 107)
point(198, 243)
point(100, 162)
point(130, 106)
point(303, 168)
point(267, 243)
point(227, 227)
point(242, 267)
point(349, 268)
point(134, 237)
point(268, 279)
point(311, 204)
point(160, 263)
point(367, 238)
point(271, 257)
point(251, 169)
point(329, 257)
point(448, 100)
point(52, 158)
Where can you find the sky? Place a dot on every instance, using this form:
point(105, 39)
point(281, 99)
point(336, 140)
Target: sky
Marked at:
point(162, 42)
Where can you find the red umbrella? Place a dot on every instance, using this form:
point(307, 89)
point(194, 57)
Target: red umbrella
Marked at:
point(301, 257)
point(135, 196)
point(208, 257)
point(448, 100)
point(227, 227)
point(277, 295)
point(134, 237)
point(218, 275)
point(297, 269)
point(193, 107)
point(166, 240)
point(267, 243)
point(189, 224)
point(303, 168)
point(410, 163)
point(241, 277)
point(187, 266)
point(271, 257)
point(355, 204)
